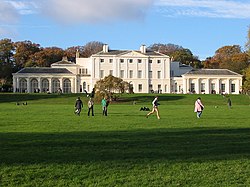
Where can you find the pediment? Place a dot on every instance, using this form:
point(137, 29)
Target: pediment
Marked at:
point(133, 54)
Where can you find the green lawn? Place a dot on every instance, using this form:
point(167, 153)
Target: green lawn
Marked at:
point(45, 144)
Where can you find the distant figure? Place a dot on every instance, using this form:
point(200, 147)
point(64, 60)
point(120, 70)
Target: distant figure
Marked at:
point(104, 106)
point(91, 106)
point(198, 107)
point(78, 106)
point(155, 108)
point(229, 103)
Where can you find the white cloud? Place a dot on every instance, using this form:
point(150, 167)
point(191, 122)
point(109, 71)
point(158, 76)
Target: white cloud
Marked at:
point(95, 11)
point(205, 8)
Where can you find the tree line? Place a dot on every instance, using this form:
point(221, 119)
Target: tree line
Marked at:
point(17, 55)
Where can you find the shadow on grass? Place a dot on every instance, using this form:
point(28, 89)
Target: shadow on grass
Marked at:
point(181, 145)
point(149, 98)
point(13, 97)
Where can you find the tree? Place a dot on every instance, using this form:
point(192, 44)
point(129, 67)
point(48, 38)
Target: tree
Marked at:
point(230, 57)
point(92, 48)
point(246, 83)
point(24, 51)
point(46, 57)
point(6, 61)
point(110, 85)
point(71, 52)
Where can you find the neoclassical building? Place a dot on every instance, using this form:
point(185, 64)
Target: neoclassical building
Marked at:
point(147, 71)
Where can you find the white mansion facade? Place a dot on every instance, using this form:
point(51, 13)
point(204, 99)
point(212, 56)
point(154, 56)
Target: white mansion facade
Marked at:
point(146, 71)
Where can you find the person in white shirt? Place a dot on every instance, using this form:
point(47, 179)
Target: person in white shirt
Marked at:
point(155, 108)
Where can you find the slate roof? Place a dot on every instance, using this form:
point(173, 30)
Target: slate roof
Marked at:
point(45, 70)
point(120, 52)
point(211, 72)
point(64, 62)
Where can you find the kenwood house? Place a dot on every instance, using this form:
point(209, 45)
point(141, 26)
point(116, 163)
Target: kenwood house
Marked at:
point(147, 71)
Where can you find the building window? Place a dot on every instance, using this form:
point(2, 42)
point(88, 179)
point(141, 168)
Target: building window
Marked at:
point(111, 60)
point(101, 60)
point(121, 60)
point(158, 61)
point(192, 87)
point(130, 60)
point(45, 85)
point(202, 87)
point(101, 73)
point(175, 87)
point(34, 86)
point(151, 88)
point(150, 61)
point(84, 71)
point(159, 88)
point(140, 87)
point(140, 74)
point(223, 88)
point(213, 88)
point(111, 72)
point(171, 73)
point(23, 85)
point(80, 71)
point(139, 60)
point(158, 74)
point(66, 86)
point(150, 74)
point(55, 85)
point(232, 88)
point(122, 74)
point(84, 86)
point(130, 73)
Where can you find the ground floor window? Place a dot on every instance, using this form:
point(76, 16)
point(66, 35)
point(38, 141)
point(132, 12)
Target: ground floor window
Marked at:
point(45, 85)
point(140, 87)
point(66, 86)
point(202, 87)
point(223, 88)
point(34, 86)
point(23, 85)
point(232, 88)
point(55, 86)
point(192, 87)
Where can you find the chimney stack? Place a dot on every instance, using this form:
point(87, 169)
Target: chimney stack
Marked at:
point(105, 48)
point(143, 48)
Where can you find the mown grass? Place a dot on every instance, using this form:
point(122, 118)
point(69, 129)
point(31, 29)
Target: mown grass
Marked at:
point(45, 144)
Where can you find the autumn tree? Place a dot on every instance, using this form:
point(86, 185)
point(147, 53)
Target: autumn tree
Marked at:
point(46, 56)
point(177, 53)
point(230, 57)
point(24, 51)
point(110, 85)
point(71, 52)
point(92, 48)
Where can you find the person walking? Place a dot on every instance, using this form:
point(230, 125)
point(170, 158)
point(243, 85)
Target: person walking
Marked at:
point(229, 103)
point(104, 106)
point(78, 106)
point(155, 108)
point(198, 107)
point(91, 106)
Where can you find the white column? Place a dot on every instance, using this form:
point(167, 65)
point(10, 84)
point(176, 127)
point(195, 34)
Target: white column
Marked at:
point(198, 90)
point(207, 87)
point(39, 84)
point(28, 85)
point(18, 84)
point(14, 84)
point(61, 84)
point(50, 85)
point(184, 88)
point(228, 89)
point(217, 87)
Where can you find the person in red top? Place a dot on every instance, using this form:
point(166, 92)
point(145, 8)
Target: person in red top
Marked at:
point(198, 107)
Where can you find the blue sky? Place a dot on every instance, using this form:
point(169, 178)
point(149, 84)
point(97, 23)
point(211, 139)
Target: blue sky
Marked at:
point(202, 26)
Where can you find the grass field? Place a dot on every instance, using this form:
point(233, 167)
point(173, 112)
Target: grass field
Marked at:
point(45, 144)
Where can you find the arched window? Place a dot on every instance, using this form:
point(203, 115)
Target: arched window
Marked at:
point(45, 85)
point(34, 86)
point(23, 85)
point(55, 86)
point(66, 86)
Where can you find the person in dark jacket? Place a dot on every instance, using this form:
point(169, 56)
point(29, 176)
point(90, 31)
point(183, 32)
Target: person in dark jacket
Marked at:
point(78, 106)
point(91, 106)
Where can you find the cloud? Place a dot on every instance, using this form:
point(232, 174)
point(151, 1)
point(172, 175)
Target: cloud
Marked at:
point(205, 8)
point(95, 11)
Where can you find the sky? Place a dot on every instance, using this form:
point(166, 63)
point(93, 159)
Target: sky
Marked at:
point(203, 26)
